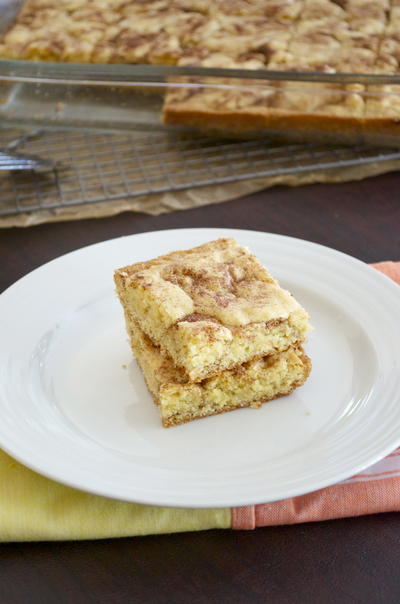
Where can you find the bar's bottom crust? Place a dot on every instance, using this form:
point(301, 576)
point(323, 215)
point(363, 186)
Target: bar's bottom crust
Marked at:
point(248, 385)
point(178, 419)
point(296, 124)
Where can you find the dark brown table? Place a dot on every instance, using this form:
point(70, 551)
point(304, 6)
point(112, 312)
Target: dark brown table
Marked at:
point(349, 560)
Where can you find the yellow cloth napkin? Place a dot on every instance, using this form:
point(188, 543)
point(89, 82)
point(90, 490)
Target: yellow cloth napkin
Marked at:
point(34, 508)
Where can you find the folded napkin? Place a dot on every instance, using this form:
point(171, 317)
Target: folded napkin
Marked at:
point(34, 508)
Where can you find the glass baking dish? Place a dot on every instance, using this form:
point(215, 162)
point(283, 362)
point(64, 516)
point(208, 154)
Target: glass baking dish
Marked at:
point(343, 108)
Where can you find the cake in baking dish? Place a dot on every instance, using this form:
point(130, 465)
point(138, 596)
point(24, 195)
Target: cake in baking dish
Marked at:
point(325, 36)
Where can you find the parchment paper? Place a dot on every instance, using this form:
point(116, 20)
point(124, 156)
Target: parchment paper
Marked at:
point(193, 198)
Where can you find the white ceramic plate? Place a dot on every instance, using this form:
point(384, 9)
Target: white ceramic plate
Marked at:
point(74, 406)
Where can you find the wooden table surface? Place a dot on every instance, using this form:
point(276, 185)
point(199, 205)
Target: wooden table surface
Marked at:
point(348, 560)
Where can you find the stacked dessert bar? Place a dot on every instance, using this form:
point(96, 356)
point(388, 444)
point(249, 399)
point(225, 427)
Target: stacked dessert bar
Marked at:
point(212, 330)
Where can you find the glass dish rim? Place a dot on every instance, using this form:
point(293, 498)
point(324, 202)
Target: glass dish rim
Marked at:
point(98, 74)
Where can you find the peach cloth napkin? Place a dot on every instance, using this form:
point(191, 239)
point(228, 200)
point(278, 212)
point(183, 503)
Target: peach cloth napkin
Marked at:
point(377, 489)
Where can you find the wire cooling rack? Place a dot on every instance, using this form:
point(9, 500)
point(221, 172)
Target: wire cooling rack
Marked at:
point(103, 167)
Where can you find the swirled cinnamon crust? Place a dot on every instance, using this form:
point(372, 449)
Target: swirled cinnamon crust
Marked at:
point(210, 308)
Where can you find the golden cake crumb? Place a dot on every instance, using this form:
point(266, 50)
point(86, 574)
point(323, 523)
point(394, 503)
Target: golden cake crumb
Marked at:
point(247, 385)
